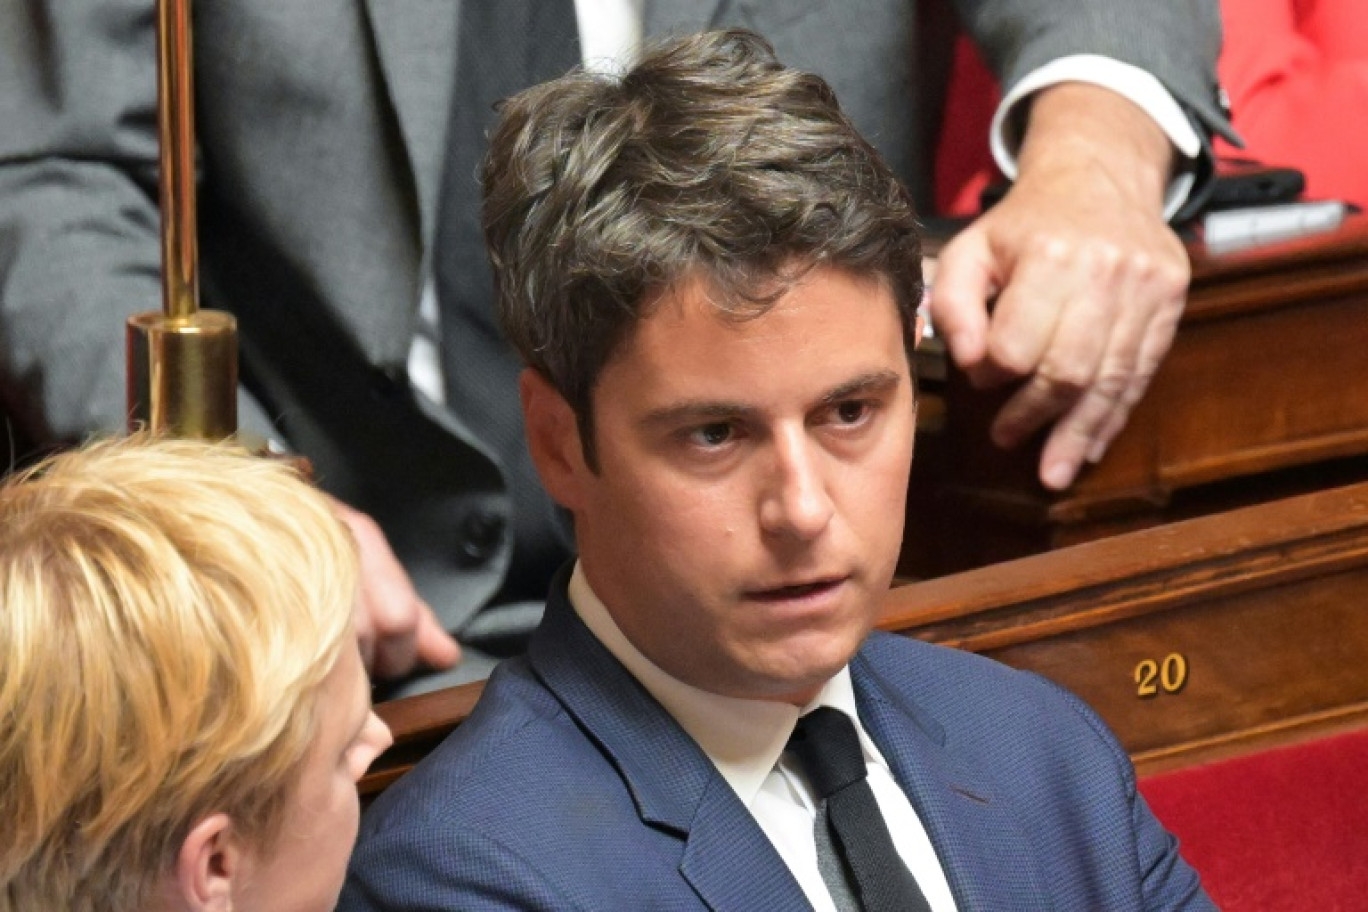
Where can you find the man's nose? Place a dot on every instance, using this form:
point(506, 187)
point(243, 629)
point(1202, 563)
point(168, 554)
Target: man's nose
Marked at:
point(796, 502)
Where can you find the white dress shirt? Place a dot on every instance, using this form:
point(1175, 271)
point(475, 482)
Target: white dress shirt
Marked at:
point(745, 740)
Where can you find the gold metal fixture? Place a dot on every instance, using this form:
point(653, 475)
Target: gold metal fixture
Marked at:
point(182, 361)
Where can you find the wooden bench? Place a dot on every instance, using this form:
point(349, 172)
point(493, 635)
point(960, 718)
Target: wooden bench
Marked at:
point(1264, 395)
point(1197, 640)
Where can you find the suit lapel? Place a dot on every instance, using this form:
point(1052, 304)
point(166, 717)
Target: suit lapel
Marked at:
point(987, 859)
point(726, 857)
point(729, 860)
point(415, 43)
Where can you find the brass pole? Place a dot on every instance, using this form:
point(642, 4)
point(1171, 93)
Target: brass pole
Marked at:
point(182, 361)
point(176, 128)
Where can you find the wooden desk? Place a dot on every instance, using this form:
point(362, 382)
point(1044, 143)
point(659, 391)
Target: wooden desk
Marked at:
point(1264, 395)
point(1194, 640)
point(1265, 608)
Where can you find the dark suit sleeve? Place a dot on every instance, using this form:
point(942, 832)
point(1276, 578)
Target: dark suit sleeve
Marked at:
point(446, 867)
point(1169, 884)
point(79, 226)
point(79, 247)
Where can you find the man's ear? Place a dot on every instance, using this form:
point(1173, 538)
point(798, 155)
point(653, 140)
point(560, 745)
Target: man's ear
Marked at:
point(209, 862)
point(553, 438)
point(918, 330)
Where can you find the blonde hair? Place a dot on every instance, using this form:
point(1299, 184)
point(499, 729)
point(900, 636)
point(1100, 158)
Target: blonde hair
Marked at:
point(168, 610)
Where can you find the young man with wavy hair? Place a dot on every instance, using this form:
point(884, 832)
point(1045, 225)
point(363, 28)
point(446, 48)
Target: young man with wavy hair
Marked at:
point(712, 279)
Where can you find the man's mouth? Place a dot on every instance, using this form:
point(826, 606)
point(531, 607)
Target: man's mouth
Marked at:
point(797, 590)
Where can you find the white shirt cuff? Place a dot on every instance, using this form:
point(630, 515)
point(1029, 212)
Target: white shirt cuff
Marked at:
point(1131, 82)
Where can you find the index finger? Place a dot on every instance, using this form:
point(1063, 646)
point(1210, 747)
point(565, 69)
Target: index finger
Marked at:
point(959, 298)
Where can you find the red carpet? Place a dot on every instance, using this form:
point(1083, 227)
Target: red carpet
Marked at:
point(1280, 831)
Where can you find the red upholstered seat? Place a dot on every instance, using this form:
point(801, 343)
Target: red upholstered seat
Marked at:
point(1284, 829)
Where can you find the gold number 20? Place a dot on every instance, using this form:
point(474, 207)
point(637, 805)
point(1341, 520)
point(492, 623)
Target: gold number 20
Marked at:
point(1168, 676)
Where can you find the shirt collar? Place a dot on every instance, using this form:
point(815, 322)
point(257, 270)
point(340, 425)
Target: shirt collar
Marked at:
point(743, 738)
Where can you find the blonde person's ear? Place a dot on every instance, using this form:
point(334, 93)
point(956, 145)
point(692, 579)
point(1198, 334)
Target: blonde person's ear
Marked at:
point(210, 861)
point(552, 438)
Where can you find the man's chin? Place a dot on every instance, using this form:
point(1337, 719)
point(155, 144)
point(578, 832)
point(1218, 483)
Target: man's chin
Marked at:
point(799, 681)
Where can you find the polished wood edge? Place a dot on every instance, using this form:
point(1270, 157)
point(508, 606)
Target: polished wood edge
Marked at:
point(1141, 571)
point(1298, 286)
point(1348, 242)
point(1282, 733)
point(1164, 589)
point(412, 717)
point(1266, 458)
point(418, 724)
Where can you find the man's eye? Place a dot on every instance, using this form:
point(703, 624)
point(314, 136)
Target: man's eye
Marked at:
point(852, 412)
point(711, 435)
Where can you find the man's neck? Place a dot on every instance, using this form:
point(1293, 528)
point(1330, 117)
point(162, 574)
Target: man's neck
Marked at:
point(743, 737)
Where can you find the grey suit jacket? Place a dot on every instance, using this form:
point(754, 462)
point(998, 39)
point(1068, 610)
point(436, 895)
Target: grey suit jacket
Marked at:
point(323, 128)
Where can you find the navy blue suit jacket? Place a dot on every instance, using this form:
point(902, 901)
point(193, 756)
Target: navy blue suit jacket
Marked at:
point(569, 787)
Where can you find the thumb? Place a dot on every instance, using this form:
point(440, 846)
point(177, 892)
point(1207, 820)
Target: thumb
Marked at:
point(434, 645)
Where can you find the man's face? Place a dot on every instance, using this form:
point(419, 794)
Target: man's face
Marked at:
point(746, 517)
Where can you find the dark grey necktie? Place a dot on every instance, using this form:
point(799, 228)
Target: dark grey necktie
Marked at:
point(827, 746)
point(503, 47)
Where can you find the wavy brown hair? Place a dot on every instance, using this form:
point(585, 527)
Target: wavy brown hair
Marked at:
point(709, 157)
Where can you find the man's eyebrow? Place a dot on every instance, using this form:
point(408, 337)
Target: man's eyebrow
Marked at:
point(873, 382)
point(722, 410)
point(684, 412)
